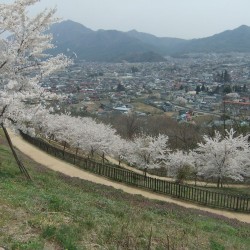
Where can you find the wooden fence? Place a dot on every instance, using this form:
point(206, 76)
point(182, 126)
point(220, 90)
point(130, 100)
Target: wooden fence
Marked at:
point(186, 192)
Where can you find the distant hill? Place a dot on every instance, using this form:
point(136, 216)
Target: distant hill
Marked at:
point(134, 46)
point(163, 45)
point(237, 40)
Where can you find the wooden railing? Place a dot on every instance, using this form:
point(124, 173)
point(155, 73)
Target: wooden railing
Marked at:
point(186, 192)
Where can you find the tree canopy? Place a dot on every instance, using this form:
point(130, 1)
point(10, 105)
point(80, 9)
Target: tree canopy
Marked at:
point(24, 62)
point(224, 157)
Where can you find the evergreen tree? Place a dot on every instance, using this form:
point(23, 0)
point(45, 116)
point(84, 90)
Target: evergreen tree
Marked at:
point(245, 88)
point(226, 76)
point(203, 89)
point(120, 88)
point(134, 69)
point(198, 89)
point(227, 89)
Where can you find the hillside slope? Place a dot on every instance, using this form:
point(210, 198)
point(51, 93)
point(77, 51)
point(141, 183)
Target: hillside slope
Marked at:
point(59, 212)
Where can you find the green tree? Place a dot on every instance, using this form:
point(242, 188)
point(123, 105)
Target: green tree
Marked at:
point(134, 69)
point(120, 88)
point(203, 89)
point(227, 89)
point(245, 88)
point(198, 89)
point(226, 76)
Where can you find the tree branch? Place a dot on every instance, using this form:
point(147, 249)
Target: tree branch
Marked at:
point(1, 66)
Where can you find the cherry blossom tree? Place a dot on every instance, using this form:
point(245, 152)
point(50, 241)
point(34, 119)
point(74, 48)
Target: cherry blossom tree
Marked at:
point(23, 62)
point(179, 165)
point(146, 151)
point(181, 101)
point(97, 137)
point(196, 163)
point(80, 133)
point(224, 157)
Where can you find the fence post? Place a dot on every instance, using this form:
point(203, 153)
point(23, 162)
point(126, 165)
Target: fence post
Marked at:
point(206, 197)
point(237, 203)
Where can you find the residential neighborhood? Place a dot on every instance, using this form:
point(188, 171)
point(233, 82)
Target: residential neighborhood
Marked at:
point(182, 87)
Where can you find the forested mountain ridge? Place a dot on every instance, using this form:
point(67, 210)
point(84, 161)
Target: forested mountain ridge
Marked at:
point(133, 46)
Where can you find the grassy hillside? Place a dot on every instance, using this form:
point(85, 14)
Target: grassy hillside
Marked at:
point(58, 212)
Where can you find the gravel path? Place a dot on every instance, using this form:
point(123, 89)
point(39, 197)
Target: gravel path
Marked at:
point(70, 170)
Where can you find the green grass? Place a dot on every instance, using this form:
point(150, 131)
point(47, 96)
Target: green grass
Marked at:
point(243, 190)
point(142, 107)
point(58, 212)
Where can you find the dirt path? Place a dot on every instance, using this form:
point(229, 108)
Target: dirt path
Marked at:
point(70, 170)
point(198, 183)
point(125, 166)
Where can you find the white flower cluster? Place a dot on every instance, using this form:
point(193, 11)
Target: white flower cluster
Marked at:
point(23, 62)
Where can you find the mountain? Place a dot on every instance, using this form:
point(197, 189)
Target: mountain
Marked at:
point(236, 40)
point(133, 46)
point(101, 45)
point(164, 45)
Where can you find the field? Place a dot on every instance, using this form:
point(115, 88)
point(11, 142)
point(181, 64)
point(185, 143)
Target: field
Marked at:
point(141, 107)
point(203, 119)
point(57, 212)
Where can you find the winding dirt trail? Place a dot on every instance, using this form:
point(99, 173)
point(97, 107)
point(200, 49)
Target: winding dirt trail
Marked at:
point(198, 183)
point(70, 170)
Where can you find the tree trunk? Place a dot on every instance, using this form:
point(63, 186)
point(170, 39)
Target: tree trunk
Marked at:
point(19, 163)
point(218, 182)
point(64, 146)
point(75, 156)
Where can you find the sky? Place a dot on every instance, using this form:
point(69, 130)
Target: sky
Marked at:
point(164, 18)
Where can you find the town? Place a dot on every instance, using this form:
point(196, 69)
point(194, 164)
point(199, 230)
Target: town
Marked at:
point(183, 88)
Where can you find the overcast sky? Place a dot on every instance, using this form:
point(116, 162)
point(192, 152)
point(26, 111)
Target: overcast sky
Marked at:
point(168, 18)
